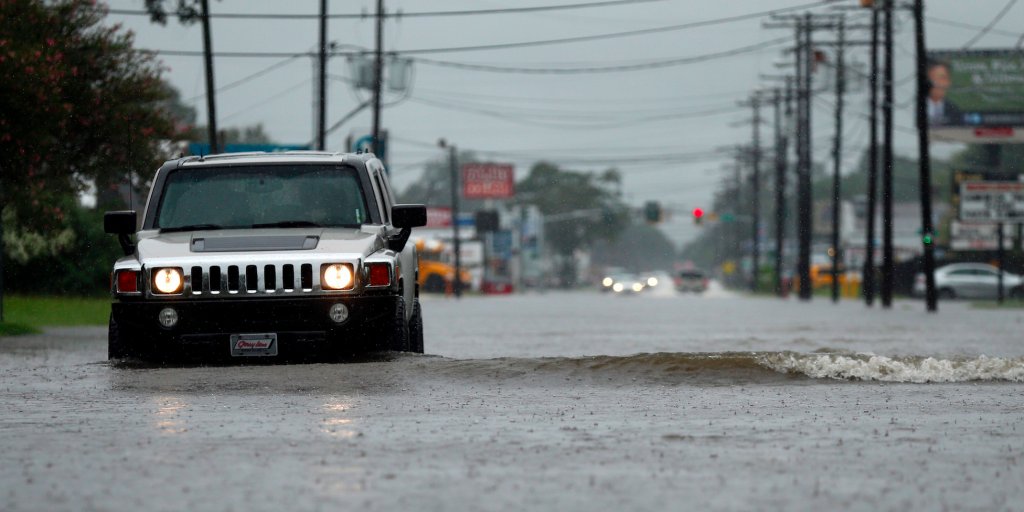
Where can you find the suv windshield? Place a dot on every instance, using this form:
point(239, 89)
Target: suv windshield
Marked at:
point(264, 196)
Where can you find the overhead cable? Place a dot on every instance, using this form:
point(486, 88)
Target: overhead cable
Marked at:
point(398, 14)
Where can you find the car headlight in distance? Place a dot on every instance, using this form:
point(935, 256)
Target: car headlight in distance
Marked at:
point(336, 276)
point(652, 281)
point(608, 282)
point(617, 287)
point(167, 280)
point(637, 287)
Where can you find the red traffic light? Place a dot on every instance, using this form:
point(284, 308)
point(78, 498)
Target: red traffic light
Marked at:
point(698, 213)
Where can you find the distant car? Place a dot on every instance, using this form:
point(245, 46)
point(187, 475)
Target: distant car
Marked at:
point(626, 284)
point(610, 277)
point(692, 281)
point(971, 281)
point(655, 280)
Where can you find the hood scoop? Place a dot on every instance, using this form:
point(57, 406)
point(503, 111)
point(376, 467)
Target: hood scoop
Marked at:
point(255, 243)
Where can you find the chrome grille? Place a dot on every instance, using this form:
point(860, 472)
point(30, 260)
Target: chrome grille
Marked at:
point(251, 279)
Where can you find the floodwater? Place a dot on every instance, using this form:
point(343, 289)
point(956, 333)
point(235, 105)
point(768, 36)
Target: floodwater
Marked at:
point(558, 401)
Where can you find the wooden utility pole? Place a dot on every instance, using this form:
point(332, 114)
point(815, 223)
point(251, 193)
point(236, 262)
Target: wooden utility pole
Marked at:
point(378, 79)
point(211, 93)
point(321, 125)
point(755, 193)
point(888, 264)
point(925, 166)
point(837, 155)
point(868, 273)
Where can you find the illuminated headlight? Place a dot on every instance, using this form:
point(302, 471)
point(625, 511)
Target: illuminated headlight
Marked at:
point(336, 276)
point(618, 287)
point(637, 287)
point(168, 317)
point(338, 313)
point(652, 281)
point(608, 282)
point(167, 280)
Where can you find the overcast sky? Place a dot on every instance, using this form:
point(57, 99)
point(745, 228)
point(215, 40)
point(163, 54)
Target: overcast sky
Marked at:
point(655, 124)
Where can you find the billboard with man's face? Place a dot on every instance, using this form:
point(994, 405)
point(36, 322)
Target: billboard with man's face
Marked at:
point(979, 89)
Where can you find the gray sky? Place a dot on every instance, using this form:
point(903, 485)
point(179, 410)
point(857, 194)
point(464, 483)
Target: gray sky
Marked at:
point(603, 117)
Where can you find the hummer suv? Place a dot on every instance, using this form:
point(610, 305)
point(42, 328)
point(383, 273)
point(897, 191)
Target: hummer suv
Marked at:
point(266, 254)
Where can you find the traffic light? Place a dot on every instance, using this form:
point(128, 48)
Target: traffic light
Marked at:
point(652, 212)
point(698, 216)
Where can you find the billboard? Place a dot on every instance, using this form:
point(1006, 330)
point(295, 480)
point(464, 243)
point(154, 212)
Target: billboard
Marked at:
point(992, 201)
point(488, 181)
point(976, 95)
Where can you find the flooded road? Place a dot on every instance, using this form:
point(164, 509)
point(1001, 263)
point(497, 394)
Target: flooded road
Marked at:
point(568, 401)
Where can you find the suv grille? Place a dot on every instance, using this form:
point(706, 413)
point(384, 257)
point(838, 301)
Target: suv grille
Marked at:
point(250, 279)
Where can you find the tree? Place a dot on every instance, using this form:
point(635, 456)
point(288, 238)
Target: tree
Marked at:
point(77, 104)
point(581, 207)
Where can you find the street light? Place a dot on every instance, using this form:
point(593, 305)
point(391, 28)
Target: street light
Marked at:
point(454, 178)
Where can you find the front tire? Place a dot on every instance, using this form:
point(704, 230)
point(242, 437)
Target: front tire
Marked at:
point(416, 328)
point(117, 348)
point(947, 294)
point(400, 328)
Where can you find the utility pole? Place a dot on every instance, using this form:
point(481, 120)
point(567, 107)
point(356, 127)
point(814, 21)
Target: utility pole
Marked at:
point(805, 57)
point(211, 94)
point(837, 155)
point(755, 193)
point(887, 101)
point(868, 274)
point(453, 168)
point(925, 165)
point(378, 71)
point(321, 125)
point(781, 143)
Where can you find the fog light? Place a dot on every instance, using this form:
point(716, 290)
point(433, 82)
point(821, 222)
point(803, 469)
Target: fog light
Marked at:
point(168, 317)
point(339, 313)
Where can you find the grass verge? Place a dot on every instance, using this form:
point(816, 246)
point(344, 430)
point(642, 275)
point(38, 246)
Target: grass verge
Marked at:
point(991, 304)
point(25, 314)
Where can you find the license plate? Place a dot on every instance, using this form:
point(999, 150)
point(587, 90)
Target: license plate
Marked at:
point(262, 344)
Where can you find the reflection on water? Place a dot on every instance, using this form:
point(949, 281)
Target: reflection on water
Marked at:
point(167, 418)
point(336, 424)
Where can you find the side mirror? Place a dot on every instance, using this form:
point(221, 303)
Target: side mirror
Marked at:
point(123, 225)
point(407, 216)
point(119, 223)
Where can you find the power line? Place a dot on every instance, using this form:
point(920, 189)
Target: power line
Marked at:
point(399, 14)
point(246, 79)
point(521, 44)
point(678, 61)
point(991, 24)
point(969, 26)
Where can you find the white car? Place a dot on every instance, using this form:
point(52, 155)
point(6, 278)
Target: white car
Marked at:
point(971, 281)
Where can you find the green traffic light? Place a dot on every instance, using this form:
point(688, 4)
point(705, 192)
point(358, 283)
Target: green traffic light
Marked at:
point(927, 239)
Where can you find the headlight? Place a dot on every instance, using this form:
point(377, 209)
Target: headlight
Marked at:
point(652, 281)
point(637, 287)
point(608, 282)
point(336, 276)
point(167, 280)
point(617, 287)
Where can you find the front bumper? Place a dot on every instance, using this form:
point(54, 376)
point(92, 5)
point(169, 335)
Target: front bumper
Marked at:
point(302, 325)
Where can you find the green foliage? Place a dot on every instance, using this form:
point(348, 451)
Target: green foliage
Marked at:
point(31, 312)
point(581, 207)
point(77, 103)
point(80, 267)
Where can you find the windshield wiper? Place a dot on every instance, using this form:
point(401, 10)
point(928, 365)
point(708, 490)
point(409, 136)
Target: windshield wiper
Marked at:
point(288, 224)
point(191, 227)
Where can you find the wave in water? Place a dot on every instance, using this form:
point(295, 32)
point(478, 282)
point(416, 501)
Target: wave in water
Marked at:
point(733, 367)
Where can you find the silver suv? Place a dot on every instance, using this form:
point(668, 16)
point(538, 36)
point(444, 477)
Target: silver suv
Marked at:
point(266, 254)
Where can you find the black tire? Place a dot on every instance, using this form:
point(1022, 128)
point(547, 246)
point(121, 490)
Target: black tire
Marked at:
point(1017, 293)
point(400, 328)
point(947, 294)
point(434, 284)
point(416, 328)
point(117, 347)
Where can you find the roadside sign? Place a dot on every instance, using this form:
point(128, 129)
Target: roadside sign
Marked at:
point(488, 181)
point(976, 236)
point(992, 201)
point(439, 217)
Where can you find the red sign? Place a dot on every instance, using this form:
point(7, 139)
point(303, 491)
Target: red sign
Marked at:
point(439, 217)
point(488, 181)
point(995, 131)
